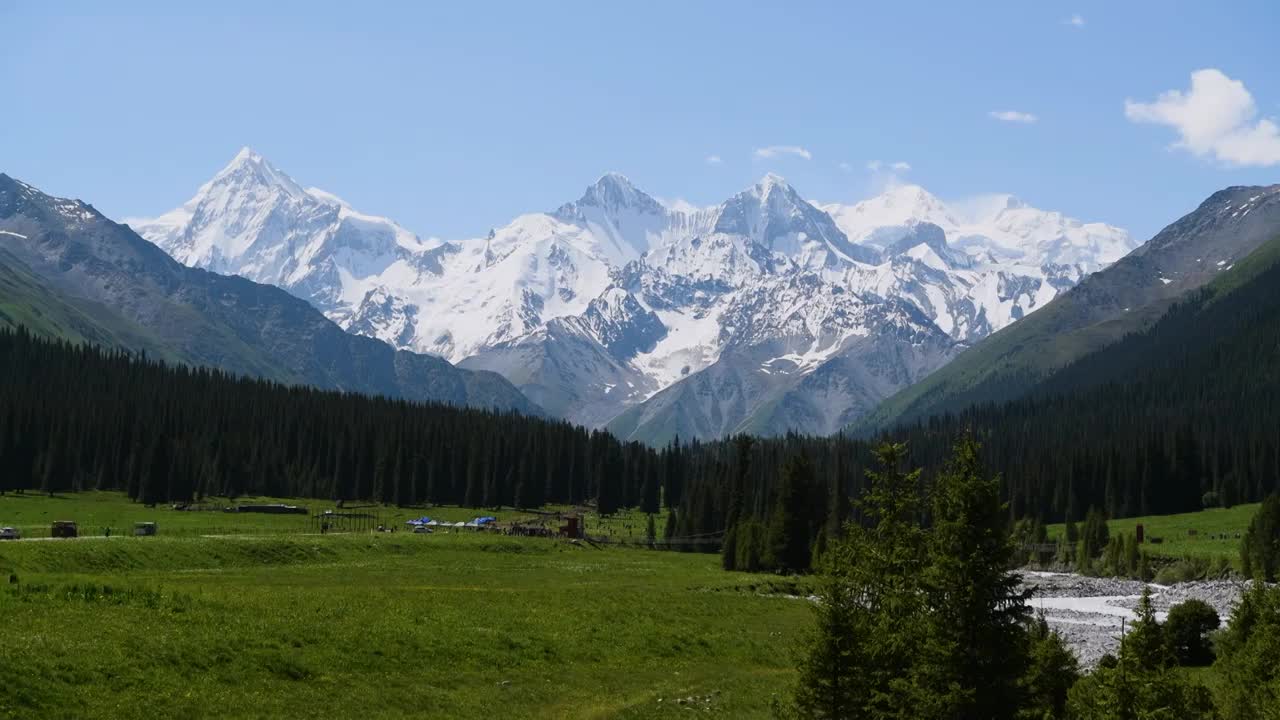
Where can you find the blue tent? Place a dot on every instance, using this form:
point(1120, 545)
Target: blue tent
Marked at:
point(418, 521)
point(486, 520)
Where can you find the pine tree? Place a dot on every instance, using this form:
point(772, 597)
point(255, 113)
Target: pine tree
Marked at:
point(975, 608)
point(729, 549)
point(818, 553)
point(1145, 643)
point(1247, 668)
point(789, 524)
point(1131, 554)
point(864, 654)
point(750, 542)
point(832, 683)
point(1051, 671)
point(1260, 551)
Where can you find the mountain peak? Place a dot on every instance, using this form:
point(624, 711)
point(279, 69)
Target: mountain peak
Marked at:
point(249, 168)
point(892, 208)
point(908, 195)
point(770, 195)
point(611, 185)
point(615, 179)
point(246, 154)
point(612, 192)
point(773, 182)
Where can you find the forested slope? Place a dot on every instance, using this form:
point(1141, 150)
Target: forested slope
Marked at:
point(75, 417)
point(74, 273)
point(1123, 298)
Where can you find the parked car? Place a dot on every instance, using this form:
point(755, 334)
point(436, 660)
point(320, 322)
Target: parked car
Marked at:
point(8, 533)
point(421, 530)
point(144, 529)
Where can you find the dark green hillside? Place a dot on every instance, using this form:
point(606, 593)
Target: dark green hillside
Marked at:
point(1103, 308)
point(73, 273)
point(25, 300)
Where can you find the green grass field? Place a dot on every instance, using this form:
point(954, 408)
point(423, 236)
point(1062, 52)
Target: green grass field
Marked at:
point(1216, 532)
point(265, 621)
point(96, 511)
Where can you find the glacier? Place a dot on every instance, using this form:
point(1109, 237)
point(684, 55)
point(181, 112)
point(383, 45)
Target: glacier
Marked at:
point(766, 313)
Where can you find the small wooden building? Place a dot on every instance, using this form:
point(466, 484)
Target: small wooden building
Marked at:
point(64, 529)
point(572, 528)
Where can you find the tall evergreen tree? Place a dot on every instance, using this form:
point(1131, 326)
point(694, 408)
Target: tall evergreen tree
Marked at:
point(878, 611)
point(976, 609)
point(789, 526)
point(1260, 551)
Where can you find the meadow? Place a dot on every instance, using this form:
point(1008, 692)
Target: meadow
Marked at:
point(250, 616)
point(1207, 534)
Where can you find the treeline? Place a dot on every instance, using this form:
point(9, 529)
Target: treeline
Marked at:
point(80, 418)
point(1185, 413)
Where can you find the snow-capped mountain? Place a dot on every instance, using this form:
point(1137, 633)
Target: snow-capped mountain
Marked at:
point(764, 313)
point(1002, 225)
point(254, 221)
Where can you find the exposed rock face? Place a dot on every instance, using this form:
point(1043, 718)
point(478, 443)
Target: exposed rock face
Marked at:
point(614, 300)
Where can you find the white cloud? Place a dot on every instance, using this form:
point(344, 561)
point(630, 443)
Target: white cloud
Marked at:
point(885, 175)
point(776, 150)
point(1074, 21)
point(1216, 117)
point(846, 167)
point(1013, 116)
point(876, 166)
point(714, 160)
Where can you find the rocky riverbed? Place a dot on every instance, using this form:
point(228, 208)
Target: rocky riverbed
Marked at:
point(1090, 613)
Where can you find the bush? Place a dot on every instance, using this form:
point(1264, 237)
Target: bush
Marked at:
point(1052, 669)
point(1187, 632)
point(1219, 567)
point(1185, 570)
point(1260, 551)
point(1248, 664)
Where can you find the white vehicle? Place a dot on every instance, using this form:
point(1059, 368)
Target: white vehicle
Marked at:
point(9, 533)
point(421, 530)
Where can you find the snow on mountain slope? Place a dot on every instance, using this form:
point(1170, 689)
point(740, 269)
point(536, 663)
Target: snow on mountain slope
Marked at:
point(611, 300)
point(1001, 225)
point(255, 221)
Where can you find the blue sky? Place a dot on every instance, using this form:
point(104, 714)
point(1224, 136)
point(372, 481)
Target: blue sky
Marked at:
point(455, 117)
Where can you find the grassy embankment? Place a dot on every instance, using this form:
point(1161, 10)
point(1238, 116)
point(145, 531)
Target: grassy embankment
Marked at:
point(266, 621)
point(1208, 534)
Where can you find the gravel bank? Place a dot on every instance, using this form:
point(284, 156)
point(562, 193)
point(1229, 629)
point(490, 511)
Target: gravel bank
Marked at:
point(1090, 612)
